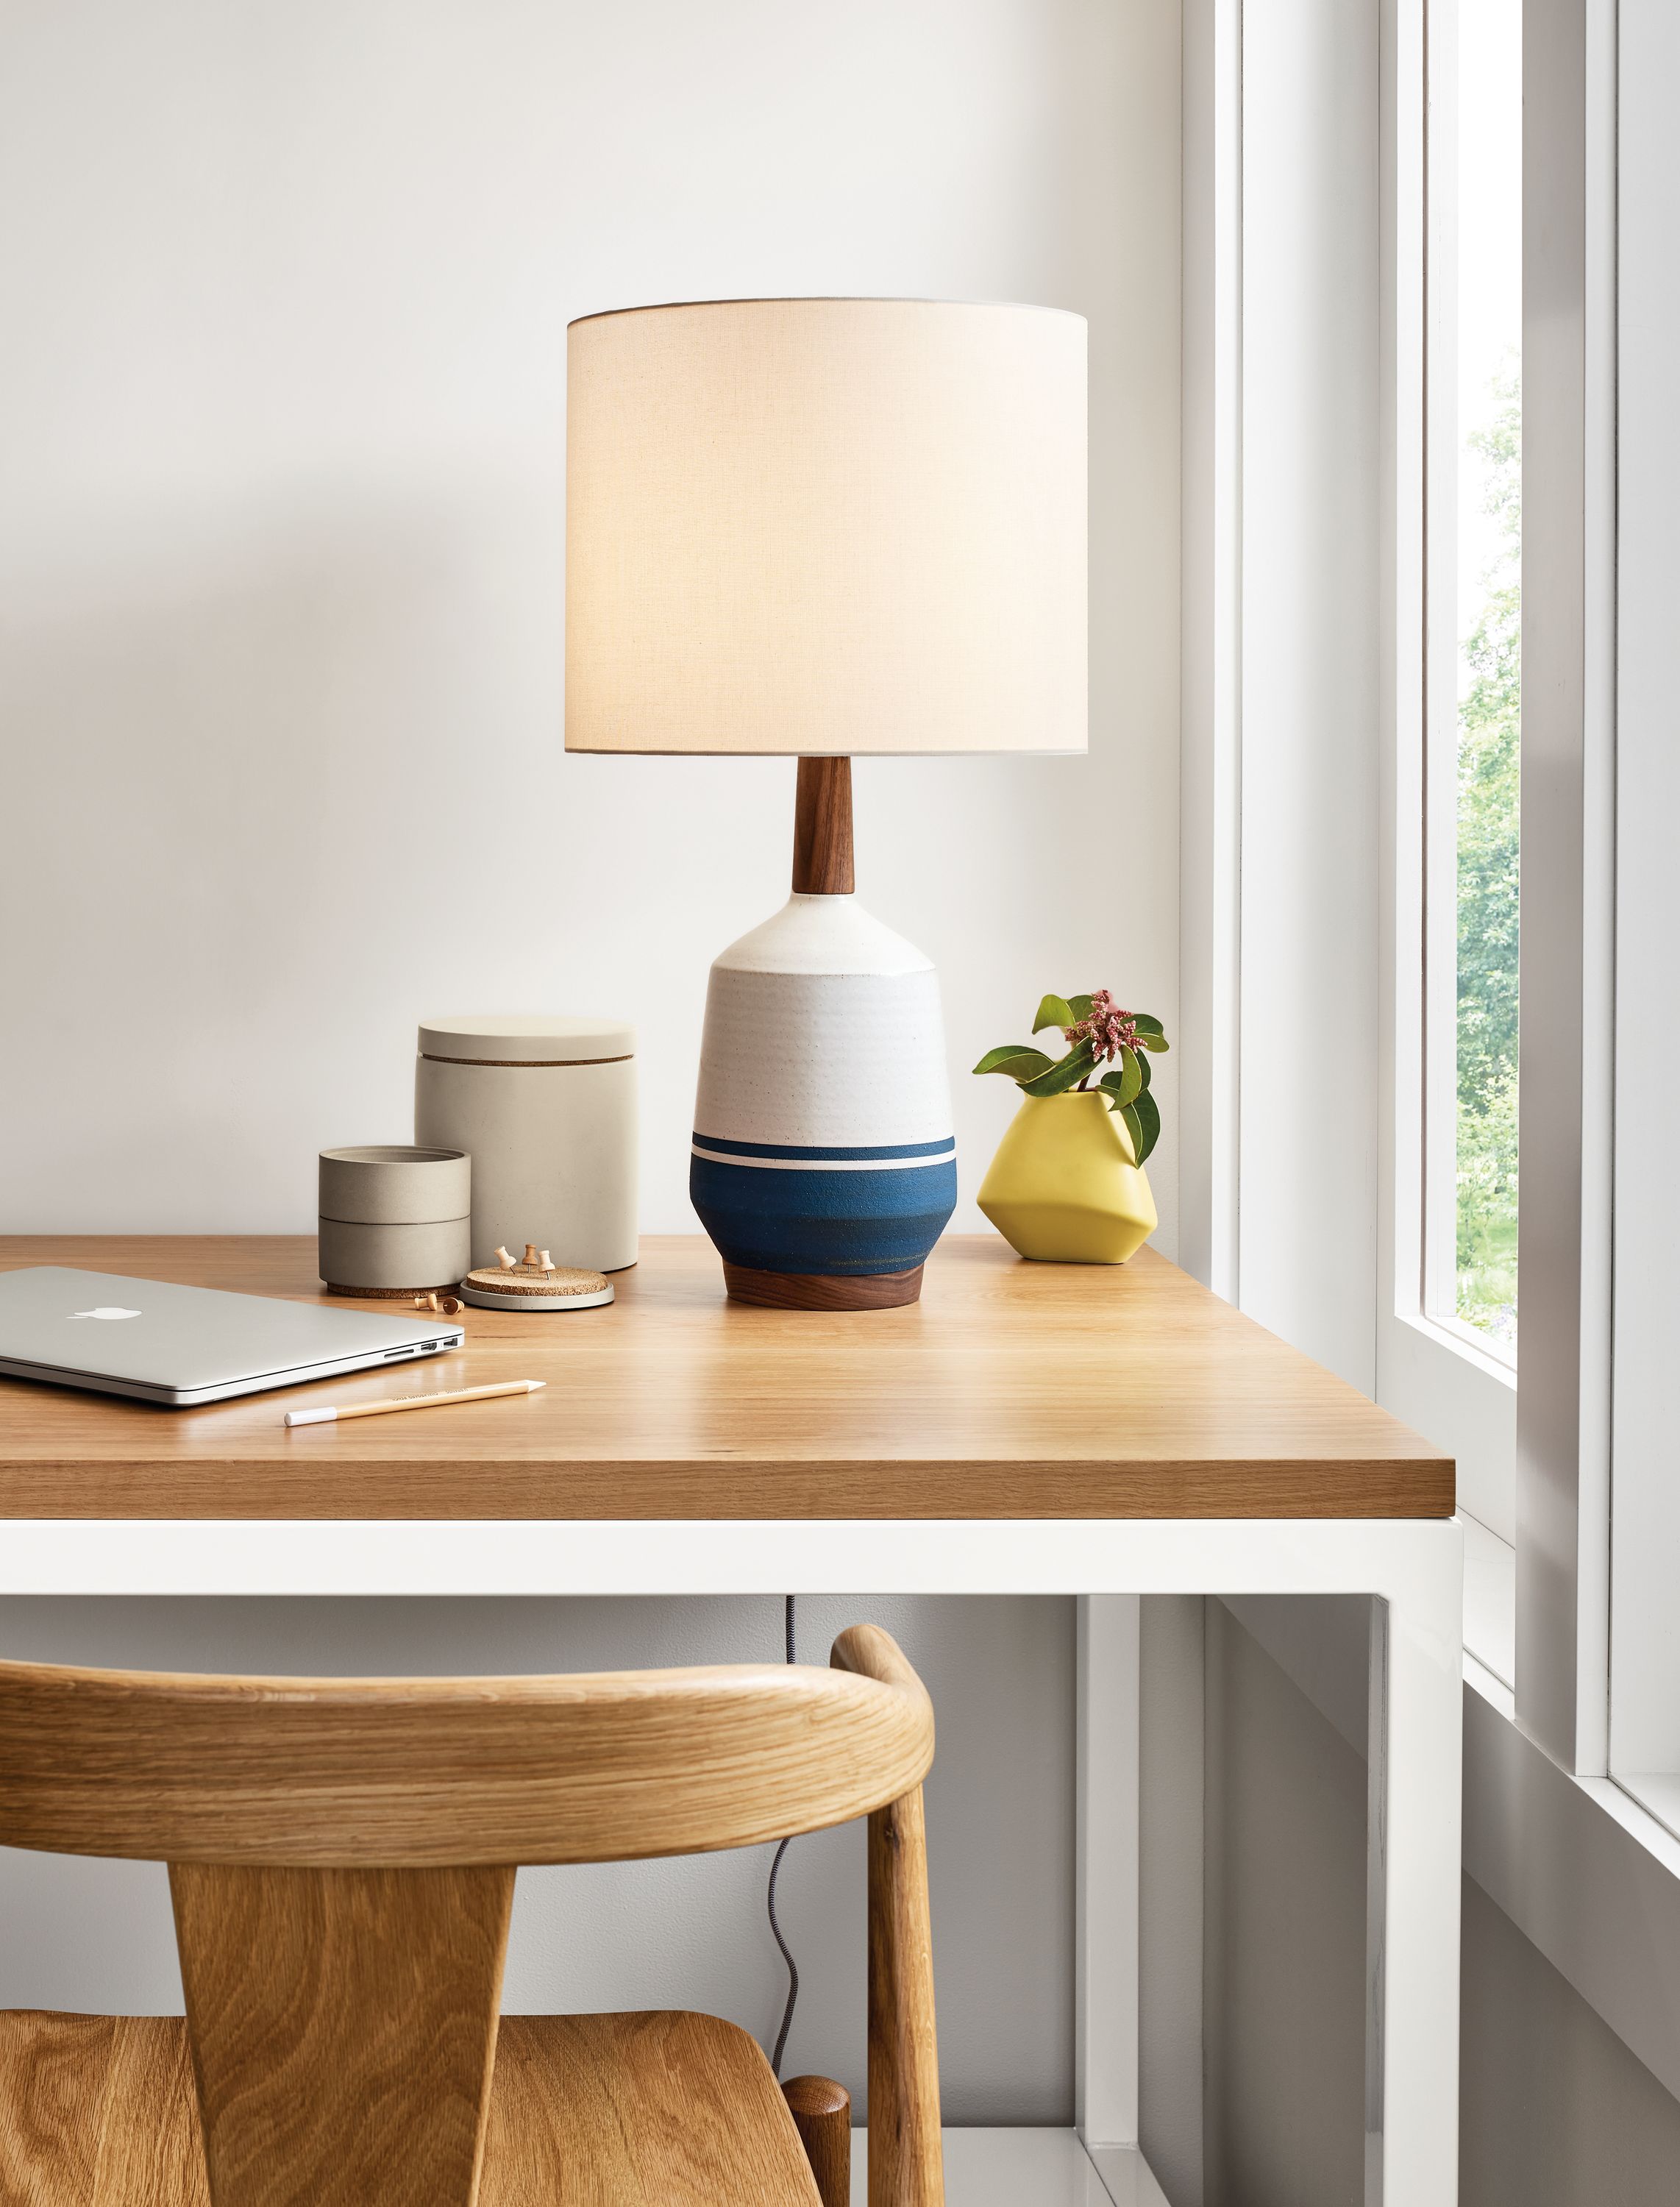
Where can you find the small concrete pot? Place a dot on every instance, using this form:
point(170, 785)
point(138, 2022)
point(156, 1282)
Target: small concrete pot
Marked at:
point(394, 1220)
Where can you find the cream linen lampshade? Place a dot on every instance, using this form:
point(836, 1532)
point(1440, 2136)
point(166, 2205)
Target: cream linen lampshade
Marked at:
point(825, 527)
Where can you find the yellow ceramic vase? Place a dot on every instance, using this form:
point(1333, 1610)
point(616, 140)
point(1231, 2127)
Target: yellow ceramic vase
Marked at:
point(1063, 1187)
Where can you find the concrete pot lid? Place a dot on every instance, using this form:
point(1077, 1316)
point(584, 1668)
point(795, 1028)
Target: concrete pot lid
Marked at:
point(526, 1037)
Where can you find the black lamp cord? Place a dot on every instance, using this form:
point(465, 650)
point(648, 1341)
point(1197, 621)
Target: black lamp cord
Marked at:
point(786, 1952)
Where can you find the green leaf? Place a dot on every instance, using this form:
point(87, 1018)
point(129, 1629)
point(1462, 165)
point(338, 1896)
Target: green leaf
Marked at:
point(1054, 1012)
point(1067, 1072)
point(1146, 1024)
point(1155, 1042)
point(1017, 1059)
point(1149, 1118)
point(1079, 1006)
point(1134, 1127)
point(1143, 1067)
point(1125, 1084)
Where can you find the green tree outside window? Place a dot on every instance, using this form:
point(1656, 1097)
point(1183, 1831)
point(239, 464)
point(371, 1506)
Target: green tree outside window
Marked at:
point(1490, 722)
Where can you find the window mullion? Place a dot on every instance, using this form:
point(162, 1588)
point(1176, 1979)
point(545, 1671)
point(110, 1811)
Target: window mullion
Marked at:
point(1563, 1396)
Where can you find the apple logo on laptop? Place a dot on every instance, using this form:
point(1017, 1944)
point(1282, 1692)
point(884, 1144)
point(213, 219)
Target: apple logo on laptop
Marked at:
point(106, 1310)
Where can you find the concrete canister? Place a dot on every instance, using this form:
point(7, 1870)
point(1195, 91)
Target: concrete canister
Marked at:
point(393, 1220)
point(545, 1105)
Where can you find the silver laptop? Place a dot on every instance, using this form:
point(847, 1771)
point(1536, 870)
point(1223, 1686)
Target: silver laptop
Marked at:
point(177, 1345)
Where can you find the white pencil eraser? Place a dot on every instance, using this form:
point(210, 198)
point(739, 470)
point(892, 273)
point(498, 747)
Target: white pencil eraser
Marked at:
point(310, 1417)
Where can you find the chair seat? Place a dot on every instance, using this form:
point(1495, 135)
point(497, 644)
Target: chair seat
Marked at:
point(657, 2110)
point(98, 2111)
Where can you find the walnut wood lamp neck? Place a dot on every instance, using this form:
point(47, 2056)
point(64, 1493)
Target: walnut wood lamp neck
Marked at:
point(822, 828)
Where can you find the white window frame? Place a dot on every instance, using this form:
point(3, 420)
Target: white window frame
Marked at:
point(1432, 1373)
point(1569, 735)
point(1644, 1744)
point(1533, 1445)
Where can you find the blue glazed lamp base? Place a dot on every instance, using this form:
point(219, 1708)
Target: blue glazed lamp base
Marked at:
point(823, 1164)
point(823, 1212)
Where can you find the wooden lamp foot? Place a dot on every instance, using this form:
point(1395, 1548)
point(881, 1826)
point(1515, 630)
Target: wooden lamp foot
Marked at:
point(822, 2113)
point(821, 1291)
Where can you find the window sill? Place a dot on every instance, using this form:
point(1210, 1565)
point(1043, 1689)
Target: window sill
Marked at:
point(1463, 1341)
point(1656, 1792)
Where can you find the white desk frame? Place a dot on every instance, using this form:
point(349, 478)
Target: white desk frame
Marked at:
point(1413, 1566)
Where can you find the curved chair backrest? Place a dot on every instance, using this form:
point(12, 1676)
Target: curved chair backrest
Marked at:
point(342, 1855)
point(410, 1772)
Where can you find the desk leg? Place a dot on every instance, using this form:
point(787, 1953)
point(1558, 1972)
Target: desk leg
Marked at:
point(1105, 2052)
point(1412, 1973)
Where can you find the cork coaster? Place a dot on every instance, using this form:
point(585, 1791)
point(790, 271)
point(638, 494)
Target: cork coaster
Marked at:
point(391, 1295)
point(527, 1287)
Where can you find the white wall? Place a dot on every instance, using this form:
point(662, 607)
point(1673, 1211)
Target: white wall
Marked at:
point(283, 406)
point(281, 420)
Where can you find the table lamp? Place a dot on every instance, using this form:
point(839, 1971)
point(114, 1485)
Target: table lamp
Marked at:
point(825, 528)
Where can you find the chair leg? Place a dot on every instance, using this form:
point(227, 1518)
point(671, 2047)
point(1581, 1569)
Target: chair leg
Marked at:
point(822, 2113)
point(906, 2161)
point(906, 2166)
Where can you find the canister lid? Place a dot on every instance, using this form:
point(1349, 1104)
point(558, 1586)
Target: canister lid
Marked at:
point(395, 1184)
point(526, 1038)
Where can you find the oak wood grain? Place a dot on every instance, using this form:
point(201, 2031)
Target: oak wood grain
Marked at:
point(907, 2165)
point(607, 1765)
point(342, 2026)
point(98, 2111)
point(822, 853)
point(658, 2109)
point(151, 2142)
point(651, 2110)
point(53, 2075)
point(1011, 1390)
point(822, 2113)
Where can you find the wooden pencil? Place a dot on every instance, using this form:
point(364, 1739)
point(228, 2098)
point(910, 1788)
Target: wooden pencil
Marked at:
point(413, 1401)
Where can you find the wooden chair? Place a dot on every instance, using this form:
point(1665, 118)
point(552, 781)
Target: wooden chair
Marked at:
point(342, 1855)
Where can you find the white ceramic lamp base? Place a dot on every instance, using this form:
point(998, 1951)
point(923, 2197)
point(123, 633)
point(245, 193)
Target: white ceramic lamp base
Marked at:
point(824, 1165)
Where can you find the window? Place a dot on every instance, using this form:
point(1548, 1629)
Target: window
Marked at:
point(1474, 691)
